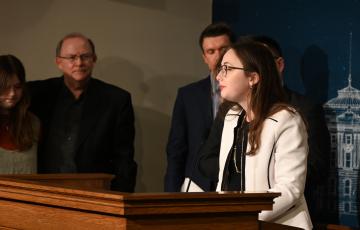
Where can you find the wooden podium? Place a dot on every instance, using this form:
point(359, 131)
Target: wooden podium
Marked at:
point(35, 205)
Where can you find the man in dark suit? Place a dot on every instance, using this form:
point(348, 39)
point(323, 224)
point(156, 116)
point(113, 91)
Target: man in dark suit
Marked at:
point(88, 125)
point(195, 108)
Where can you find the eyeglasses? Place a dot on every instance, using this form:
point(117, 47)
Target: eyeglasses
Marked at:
point(222, 71)
point(82, 57)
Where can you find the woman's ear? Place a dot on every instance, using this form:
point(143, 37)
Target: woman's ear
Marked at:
point(280, 64)
point(253, 79)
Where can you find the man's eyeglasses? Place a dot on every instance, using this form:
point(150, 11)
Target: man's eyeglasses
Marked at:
point(83, 57)
point(222, 71)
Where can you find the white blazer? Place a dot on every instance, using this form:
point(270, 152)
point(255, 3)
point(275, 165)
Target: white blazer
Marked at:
point(279, 165)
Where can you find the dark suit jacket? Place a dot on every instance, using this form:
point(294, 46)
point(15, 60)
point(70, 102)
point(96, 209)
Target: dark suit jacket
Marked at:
point(318, 138)
point(319, 151)
point(191, 122)
point(106, 136)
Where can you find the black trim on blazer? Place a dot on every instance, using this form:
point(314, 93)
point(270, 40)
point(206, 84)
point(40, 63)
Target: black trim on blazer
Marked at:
point(272, 151)
point(272, 119)
point(268, 174)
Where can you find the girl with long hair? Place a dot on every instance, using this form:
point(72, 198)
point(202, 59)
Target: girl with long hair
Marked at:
point(19, 129)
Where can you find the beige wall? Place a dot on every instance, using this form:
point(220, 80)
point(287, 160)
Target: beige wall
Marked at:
point(148, 47)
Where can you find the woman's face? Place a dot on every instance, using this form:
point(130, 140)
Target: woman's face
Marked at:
point(233, 82)
point(11, 95)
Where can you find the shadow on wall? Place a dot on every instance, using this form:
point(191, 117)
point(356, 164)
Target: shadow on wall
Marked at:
point(30, 13)
point(124, 74)
point(314, 72)
point(153, 102)
point(153, 4)
point(188, 9)
point(152, 127)
point(128, 76)
point(151, 121)
point(163, 90)
point(156, 125)
point(292, 76)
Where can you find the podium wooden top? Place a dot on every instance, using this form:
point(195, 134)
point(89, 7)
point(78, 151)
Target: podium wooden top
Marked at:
point(75, 180)
point(59, 176)
point(130, 204)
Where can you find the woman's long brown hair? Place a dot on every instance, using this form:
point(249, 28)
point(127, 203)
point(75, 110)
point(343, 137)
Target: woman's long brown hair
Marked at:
point(20, 120)
point(268, 95)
